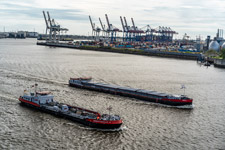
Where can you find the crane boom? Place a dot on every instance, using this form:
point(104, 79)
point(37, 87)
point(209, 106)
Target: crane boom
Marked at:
point(49, 19)
point(133, 24)
point(125, 23)
point(107, 19)
point(92, 25)
point(103, 27)
point(122, 24)
point(45, 19)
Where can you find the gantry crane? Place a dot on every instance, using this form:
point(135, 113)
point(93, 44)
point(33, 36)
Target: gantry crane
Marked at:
point(53, 28)
point(124, 28)
point(104, 31)
point(134, 28)
point(128, 30)
point(165, 34)
point(137, 31)
point(95, 30)
point(112, 29)
point(46, 22)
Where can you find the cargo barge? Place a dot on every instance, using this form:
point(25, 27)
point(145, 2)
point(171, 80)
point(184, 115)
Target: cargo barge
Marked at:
point(44, 101)
point(146, 95)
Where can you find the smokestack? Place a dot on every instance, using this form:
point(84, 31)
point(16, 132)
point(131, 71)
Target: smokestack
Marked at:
point(208, 40)
point(221, 33)
point(218, 31)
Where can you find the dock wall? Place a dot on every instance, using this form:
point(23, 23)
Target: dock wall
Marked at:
point(158, 53)
point(219, 63)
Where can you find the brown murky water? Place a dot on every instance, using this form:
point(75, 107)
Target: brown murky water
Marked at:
point(146, 125)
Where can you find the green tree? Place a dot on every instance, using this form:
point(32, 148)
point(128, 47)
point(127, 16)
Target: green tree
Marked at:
point(222, 53)
point(211, 53)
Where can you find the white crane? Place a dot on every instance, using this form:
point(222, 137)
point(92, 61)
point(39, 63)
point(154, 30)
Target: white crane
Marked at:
point(53, 28)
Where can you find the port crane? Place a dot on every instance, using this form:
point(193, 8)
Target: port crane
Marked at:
point(164, 34)
point(105, 33)
point(137, 32)
point(95, 30)
point(124, 28)
point(46, 22)
point(129, 31)
point(53, 28)
point(148, 33)
point(112, 29)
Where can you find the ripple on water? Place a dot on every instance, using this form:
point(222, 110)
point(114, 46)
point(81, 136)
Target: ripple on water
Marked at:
point(146, 125)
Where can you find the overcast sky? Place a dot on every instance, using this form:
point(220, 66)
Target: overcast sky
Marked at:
point(194, 17)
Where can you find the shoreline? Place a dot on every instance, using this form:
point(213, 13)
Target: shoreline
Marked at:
point(187, 56)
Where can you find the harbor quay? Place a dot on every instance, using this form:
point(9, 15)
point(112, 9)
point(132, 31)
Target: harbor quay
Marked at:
point(147, 50)
point(146, 41)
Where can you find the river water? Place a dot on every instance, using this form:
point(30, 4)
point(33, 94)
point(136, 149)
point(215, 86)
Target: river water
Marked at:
point(146, 125)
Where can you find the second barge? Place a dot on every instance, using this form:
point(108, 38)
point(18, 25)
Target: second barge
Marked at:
point(151, 96)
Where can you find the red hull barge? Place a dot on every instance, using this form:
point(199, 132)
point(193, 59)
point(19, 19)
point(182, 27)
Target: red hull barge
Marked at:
point(44, 101)
point(146, 95)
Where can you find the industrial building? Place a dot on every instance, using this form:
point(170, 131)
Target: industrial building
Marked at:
point(217, 43)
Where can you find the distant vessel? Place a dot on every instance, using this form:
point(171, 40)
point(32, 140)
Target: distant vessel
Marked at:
point(151, 96)
point(188, 48)
point(44, 101)
point(207, 64)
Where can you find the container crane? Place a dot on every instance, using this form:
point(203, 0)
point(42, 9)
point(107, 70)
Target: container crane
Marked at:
point(46, 22)
point(129, 31)
point(149, 32)
point(95, 30)
point(171, 33)
point(92, 25)
point(112, 29)
point(124, 28)
point(134, 28)
point(137, 31)
point(165, 34)
point(53, 28)
point(104, 32)
point(50, 22)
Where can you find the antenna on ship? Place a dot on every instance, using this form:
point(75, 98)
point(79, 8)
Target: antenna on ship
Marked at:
point(109, 109)
point(36, 88)
point(183, 87)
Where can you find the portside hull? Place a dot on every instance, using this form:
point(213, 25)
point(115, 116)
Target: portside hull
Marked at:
point(105, 126)
point(134, 95)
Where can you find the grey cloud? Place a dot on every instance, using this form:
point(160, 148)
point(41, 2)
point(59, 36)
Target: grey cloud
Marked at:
point(33, 12)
